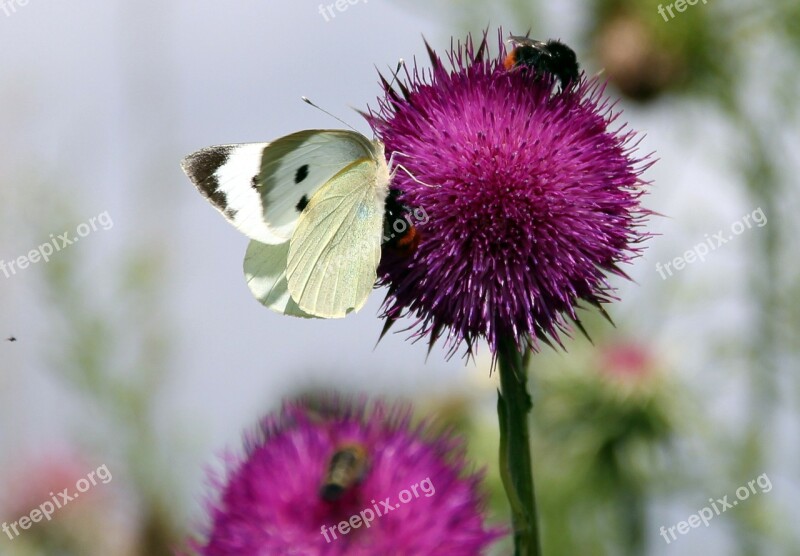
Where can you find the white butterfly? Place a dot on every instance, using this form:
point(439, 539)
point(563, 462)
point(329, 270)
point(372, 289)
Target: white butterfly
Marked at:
point(313, 204)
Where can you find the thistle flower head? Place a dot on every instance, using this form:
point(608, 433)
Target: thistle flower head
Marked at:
point(531, 199)
point(414, 496)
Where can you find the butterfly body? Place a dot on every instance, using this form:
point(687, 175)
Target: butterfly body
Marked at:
point(312, 203)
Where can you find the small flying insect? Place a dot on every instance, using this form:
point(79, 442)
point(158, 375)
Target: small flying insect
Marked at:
point(346, 468)
point(553, 57)
point(11, 339)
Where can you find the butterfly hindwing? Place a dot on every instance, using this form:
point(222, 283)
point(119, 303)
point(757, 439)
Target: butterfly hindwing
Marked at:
point(295, 167)
point(335, 250)
point(265, 271)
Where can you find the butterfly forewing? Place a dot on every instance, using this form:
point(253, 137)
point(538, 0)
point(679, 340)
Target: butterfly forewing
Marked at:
point(224, 175)
point(295, 167)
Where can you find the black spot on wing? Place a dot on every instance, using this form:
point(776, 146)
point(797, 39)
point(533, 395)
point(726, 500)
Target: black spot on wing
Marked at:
point(201, 168)
point(302, 204)
point(301, 174)
point(254, 182)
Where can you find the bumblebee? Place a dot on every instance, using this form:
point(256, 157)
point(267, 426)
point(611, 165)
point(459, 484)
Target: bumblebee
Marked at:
point(346, 468)
point(553, 57)
point(400, 235)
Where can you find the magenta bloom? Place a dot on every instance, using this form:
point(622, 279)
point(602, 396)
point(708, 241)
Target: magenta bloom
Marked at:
point(531, 199)
point(414, 497)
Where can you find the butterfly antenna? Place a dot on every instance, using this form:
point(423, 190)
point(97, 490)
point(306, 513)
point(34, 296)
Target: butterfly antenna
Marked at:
point(308, 101)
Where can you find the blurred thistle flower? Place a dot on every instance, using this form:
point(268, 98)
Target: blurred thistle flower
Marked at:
point(272, 503)
point(605, 433)
point(531, 199)
point(615, 406)
point(634, 60)
point(93, 523)
point(626, 360)
point(645, 54)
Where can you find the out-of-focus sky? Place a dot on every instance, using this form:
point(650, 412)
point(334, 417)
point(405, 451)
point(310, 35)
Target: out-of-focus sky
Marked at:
point(100, 101)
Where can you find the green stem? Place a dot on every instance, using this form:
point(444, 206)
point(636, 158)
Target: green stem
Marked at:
point(513, 409)
point(634, 518)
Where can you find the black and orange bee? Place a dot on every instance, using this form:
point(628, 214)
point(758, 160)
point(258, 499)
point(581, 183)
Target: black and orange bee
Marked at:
point(553, 57)
point(400, 235)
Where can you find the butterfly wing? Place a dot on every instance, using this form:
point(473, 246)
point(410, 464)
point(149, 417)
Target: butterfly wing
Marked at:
point(335, 250)
point(268, 190)
point(295, 167)
point(265, 271)
point(224, 175)
point(262, 188)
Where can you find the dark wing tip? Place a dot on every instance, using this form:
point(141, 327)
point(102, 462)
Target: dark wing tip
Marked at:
point(202, 165)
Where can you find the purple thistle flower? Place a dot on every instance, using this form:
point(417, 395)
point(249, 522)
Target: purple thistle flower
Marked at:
point(530, 196)
point(271, 502)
